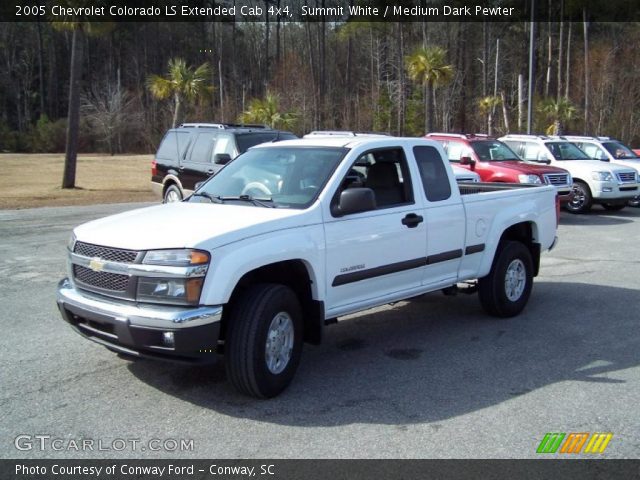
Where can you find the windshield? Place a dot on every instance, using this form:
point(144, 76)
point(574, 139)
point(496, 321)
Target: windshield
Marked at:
point(248, 140)
point(566, 151)
point(286, 177)
point(493, 151)
point(619, 150)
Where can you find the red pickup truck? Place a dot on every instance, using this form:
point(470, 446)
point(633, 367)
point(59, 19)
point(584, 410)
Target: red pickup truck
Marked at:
point(494, 161)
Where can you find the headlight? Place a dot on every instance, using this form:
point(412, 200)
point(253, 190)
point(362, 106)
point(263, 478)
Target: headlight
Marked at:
point(177, 290)
point(523, 178)
point(177, 257)
point(181, 291)
point(602, 176)
point(71, 244)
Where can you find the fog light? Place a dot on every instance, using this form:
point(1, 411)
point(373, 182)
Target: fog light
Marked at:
point(607, 189)
point(168, 339)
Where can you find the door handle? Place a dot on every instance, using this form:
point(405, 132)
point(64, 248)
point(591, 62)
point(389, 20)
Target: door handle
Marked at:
point(412, 220)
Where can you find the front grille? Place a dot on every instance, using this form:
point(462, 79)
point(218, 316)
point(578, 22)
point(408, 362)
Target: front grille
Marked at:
point(103, 280)
point(626, 177)
point(105, 253)
point(556, 178)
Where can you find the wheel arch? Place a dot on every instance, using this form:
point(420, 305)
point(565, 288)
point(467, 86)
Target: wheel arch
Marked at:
point(169, 180)
point(296, 275)
point(527, 234)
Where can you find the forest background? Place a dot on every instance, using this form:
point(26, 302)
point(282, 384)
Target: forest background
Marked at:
point(400, 78)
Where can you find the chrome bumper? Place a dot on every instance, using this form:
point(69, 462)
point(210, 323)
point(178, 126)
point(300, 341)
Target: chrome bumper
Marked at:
point(139, 330)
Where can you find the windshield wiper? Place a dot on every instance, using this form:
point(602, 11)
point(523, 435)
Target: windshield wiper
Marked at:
point(208, 196)
point(262, 202)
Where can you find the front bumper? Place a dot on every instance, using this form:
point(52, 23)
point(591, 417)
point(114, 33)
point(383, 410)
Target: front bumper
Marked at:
point(138, 330)
point(605, 191)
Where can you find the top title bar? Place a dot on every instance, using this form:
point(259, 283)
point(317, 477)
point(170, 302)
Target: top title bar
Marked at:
point(310, 11)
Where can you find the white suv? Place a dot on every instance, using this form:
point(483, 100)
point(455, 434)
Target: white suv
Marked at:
point(608, 150)
point(608, 184)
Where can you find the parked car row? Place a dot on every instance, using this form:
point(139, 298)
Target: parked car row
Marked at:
point(584, 170)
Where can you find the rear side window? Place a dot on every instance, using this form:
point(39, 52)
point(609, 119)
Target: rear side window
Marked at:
point(456, 150)
point(433, 173)
point(593, 151)
point(201, 151)
point(532, 151)
point(173, 145)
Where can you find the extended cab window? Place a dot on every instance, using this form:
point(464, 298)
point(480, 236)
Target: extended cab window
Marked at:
point(385, 172)
point(433, 173)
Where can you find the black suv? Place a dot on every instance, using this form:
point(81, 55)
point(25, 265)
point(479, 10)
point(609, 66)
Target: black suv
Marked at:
point(193, 152)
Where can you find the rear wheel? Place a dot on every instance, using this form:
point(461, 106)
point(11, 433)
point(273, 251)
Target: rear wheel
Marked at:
point(264, 340)
point(505, 291)
point(172, 194)
point(582, 198)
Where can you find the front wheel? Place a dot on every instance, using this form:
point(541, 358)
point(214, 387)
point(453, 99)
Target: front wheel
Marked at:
point(264, 340)
point(634, 202)
point(505, 291)
point(582, 198)
point(613, 207)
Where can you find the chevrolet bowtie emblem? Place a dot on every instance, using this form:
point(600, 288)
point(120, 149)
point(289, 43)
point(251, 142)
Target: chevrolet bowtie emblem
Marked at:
point(96, 264)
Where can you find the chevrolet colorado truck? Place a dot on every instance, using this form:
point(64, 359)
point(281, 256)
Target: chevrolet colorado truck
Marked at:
point(288, 237)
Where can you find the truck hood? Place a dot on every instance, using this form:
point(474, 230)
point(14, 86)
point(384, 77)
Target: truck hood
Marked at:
point(630, 163)
point(528, 168)
point(188, 225)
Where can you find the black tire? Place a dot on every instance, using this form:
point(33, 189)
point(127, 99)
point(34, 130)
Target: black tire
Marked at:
point(582, 199)
point(634, 202)
point(172, 194)
point(247, 335)
point(613, 207)
point(492, 289)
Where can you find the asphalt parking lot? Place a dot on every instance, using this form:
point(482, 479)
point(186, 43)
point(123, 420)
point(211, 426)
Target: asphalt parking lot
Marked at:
point(430, 378)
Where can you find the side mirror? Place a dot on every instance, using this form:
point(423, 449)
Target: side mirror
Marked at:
point(354, 200)
point(221, 158)
point(466, 160)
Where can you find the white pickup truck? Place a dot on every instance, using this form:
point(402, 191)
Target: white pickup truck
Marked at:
point(290, 236)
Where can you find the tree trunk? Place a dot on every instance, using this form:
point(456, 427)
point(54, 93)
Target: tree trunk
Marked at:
point(505, 114)
point(560, 47)
point(567, 77)
point(177, 112)
point(40, 69)
point(73, 118)
point(547, 84)
point(520, 102)
point(586, 71)
point(428, 105)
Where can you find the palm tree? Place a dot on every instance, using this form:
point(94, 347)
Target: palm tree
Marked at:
point(487, 107)
point(428, 66)
point(79, 26)
point(559, 112)
point(267, 111)
point(184, 83)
